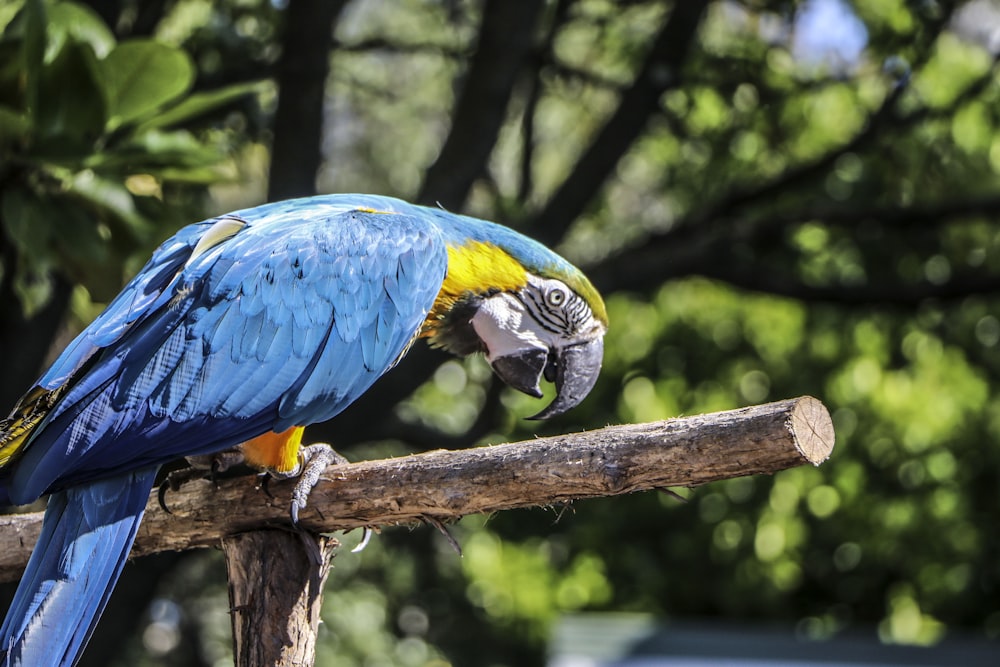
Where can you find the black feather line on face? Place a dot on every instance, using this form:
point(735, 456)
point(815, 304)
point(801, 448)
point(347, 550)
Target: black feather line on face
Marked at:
point(566, 319)
point(534, 302)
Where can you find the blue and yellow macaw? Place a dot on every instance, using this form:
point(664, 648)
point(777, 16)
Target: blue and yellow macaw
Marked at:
point(243, 329)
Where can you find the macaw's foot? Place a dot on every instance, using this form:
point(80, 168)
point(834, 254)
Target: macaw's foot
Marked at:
point(208, 466)
point(313, 460)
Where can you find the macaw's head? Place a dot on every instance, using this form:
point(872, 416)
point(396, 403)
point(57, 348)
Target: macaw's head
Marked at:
point(532, 313)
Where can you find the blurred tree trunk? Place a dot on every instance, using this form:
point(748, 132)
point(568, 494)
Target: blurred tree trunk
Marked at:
point(506, 39)
point(296, 150)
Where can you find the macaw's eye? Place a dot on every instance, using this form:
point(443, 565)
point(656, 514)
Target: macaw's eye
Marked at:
point(556, 297)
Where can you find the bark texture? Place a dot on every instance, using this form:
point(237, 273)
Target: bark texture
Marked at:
point(445, 485)
point(276, 582)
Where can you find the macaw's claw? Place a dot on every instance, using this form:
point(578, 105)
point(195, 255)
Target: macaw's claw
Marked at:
point(313, 460)
point(264, 483)
point(161, 494)
point(366, 537)
point(209, 466)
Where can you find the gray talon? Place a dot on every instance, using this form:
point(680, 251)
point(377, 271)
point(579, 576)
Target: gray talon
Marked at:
point(313, 460)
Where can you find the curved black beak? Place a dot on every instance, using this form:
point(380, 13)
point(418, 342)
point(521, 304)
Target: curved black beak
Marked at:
point(573, 369)
point(522, 370)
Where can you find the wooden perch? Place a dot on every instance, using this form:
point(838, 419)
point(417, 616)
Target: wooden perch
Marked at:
point(276, 575)
point(444, 485)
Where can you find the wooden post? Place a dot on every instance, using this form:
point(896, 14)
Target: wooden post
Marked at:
point(276, 582)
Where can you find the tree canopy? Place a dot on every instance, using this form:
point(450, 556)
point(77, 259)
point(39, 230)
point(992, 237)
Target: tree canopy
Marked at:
point(776, 198)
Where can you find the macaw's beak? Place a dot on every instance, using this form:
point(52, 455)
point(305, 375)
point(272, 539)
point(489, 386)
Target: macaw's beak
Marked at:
point(574, 370)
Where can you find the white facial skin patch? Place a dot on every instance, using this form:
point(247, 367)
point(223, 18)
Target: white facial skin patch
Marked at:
point(505, 328)
point(505, 325)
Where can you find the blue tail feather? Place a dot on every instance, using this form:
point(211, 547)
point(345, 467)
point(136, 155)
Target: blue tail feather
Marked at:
point(86, 537)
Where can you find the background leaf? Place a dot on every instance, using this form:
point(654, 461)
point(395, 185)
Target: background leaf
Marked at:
point(14, 125)
point(71, 113)
point(70, 21)
point(198, 104)
point(142, 75)
point(26, 224)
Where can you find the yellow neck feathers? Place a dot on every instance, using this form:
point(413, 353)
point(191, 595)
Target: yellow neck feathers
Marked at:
point(475, 267)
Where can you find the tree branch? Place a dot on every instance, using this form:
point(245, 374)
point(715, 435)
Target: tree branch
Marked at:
point(742, 196)
point(707, 250)
point(920, 215)
point(391, 47)
point(445, 485)
point(697, 242)
point(894, 294)
point(660, 72)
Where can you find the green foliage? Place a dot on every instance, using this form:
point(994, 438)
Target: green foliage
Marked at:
point(894, 534)
point(91, 146)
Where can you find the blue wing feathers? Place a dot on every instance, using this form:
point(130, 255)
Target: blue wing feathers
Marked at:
point(301, 290)
point(284, 323)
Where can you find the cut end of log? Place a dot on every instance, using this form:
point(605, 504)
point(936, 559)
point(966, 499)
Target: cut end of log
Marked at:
point(811, 429)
